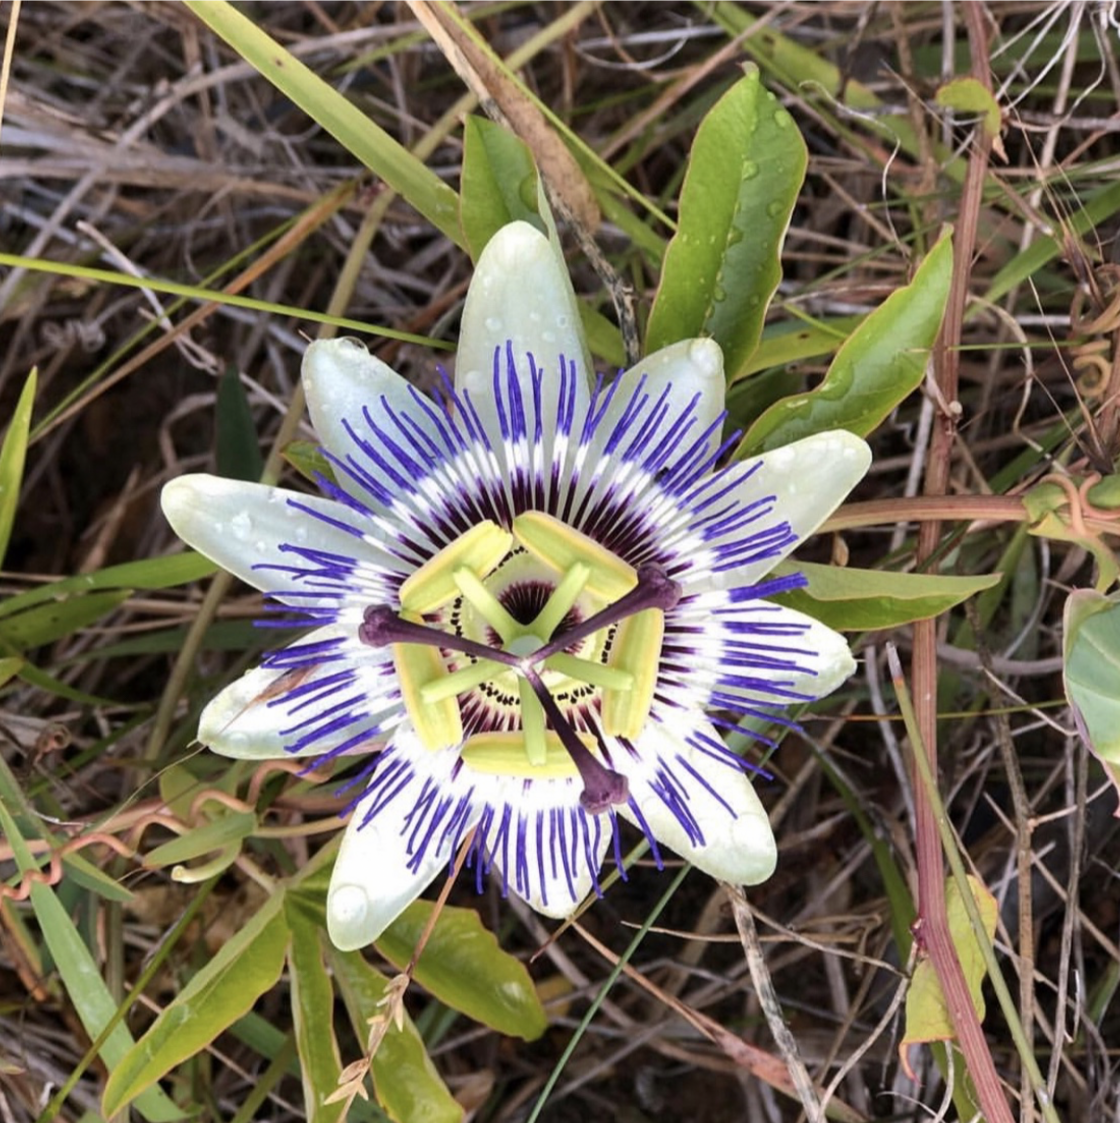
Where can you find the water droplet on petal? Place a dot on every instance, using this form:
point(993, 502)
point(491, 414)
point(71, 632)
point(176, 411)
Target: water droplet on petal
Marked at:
point(241, 526)
point(493, 323)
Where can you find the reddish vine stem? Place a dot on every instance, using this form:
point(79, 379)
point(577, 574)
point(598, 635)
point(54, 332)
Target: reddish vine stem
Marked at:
point(932, 927)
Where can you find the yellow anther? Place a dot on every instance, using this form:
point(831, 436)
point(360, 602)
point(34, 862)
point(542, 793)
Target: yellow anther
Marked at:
point(504, 754)
point(636, 650)
point(433, 585)
point(437, 723)
point(560, 547)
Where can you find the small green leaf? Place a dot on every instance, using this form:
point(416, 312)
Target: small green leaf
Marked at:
point(868, 599)
point(81, 976)
point(882, 362)
point(247, 965)
point(724, 263)
point(47, 622)
point(927, 1014)
point(969, 95)
point(237, 451)
point(13, 453)
point(405, 1081)
point(797, 341)
point(84, 873)
point(1091, 646)
point(313, 1015)
point(307, 458)
point(498, 184)
point(216, 834)
point(464, 967)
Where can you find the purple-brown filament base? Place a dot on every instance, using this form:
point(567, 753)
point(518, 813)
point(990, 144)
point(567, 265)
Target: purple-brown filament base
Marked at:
point(603, 788)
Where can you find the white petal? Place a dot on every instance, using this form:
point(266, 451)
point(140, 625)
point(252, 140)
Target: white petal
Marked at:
point(348, 697)
point(547, 849)
point(342, 379)
point(808, 479)
point(242, 525)
point(521, 294)
point(683, 376)
point(757, 653)
point(386, 863)
point(706, 811)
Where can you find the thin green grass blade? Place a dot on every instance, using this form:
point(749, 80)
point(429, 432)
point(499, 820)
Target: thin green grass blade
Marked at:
point(13, 453)
point(81, 975)
point(360, 136)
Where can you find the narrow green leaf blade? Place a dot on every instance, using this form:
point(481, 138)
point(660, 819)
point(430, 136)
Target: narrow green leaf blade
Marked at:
point(85, 987)
point(361, 137)
point(405, 1081)
point(223, 991)
point(882, 362)
point(236, 449)
point(313, 1014)
point(149, 573)
point(724, 263)
point(464, 967)
point(864, 600)
point(498, 184)
point(47, 622)
point(13, 454)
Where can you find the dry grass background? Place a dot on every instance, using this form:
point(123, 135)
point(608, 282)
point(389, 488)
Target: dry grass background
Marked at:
point(133, 140)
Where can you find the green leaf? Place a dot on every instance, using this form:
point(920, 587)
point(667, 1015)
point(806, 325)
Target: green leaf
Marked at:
point(247, 965)
point(151, 573)
point(927, 1014)
point(1091, 646)
point(969, 95)
point(307, 458)
point(47, 622)
point(362, 138)
point(868, 599)
point(230, 827)
point(405, 1081)
point(724, 263)
point(13, 454)
point(498, 184)
point(881, 363)
point(313, 1014)
point(237, 451)
point(464, 967)
point(84, 873)
point(85, 988)
point(794, 342)
point(9, 667)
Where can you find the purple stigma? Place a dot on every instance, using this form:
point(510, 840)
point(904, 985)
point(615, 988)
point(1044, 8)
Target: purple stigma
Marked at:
point(655, 589)
point(381, 626)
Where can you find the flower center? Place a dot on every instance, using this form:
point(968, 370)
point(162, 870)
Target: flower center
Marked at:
point(542, 616)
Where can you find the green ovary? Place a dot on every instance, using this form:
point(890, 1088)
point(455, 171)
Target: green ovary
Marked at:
point(482, 587)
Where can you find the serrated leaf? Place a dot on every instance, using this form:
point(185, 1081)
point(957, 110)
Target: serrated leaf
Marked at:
point(927, 1014)
point(721, 268)
point(313, 1015)
point(498, 184)
point(852, 600)
point(405, 1081)
point(1091, 650)
point(236, 449)
point(13, 454)
point(46, 623)
point(81, 976)
point(246, 966)
point(464, 967)
point(881, 363)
